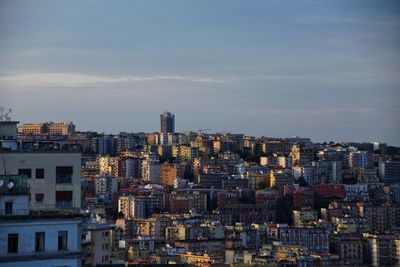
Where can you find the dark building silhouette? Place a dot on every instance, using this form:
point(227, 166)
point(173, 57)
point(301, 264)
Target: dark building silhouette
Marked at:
point(167, 120)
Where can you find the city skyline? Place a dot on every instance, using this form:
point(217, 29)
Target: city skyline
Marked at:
point(206, 133)
point(199, 130)
point(323, 70)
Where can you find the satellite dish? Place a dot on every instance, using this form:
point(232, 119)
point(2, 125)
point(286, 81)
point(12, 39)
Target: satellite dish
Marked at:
point(10, 185)
point(1, 183)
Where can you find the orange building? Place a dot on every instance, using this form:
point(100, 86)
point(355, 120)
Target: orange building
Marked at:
point(168, 174)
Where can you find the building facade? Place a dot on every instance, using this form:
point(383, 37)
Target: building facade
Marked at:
point(53, 176)
point(167, 121)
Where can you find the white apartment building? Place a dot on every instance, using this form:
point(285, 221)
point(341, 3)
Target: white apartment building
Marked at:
point(32, 239)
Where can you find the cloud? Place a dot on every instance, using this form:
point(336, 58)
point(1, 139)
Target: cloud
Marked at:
point(35, 80)
point(303, 112)
point(336, 78)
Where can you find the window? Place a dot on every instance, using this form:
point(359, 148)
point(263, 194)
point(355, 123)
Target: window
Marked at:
point(27, 172)
point(39, 174)
point(64, 199)
point(62, 240)
point(39, 241)
point(8, 208)
point(39, 197)
point(12, 243)
point(64, 174)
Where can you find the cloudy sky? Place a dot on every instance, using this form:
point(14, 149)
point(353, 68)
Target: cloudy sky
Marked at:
point(328, 70)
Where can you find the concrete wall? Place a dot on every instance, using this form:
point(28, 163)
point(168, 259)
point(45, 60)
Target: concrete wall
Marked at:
point(20, 204)
point(26, 230)
point(8, 129)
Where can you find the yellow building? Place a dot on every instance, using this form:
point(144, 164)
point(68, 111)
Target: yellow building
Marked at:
point(33, 128)
point(55, 128)
point(61, 128)
point(199, 260)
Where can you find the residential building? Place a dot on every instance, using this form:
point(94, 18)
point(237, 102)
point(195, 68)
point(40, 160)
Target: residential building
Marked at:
point(349, 248)
point(96, 243)
point(53, 176)
point(29, 238)
point(315, 239)
point(382, 250)
point(184, 202)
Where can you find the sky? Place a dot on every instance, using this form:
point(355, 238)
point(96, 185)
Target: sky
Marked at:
point(328, 70)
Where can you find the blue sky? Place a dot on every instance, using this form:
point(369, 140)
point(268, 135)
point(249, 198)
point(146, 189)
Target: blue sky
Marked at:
point(328, 70)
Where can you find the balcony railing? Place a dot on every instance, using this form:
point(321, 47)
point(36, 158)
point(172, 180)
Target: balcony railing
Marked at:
point(64, 204)
point(14, 185)
point(4, 190)
point(67, 179)
point(43, 211)
point(14, 212)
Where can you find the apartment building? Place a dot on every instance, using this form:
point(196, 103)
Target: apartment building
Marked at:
point(53, 176)
point(29, 238)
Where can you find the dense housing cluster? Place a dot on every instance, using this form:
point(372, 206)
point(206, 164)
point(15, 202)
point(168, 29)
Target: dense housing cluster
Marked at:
point(194, 198)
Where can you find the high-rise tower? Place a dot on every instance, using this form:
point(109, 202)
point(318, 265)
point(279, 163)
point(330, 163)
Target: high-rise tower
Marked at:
point(167, 120)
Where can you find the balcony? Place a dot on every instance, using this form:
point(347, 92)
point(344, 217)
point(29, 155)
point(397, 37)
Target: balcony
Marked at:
point(66, 179)
point(64, 204)
point(4, 190)
point(43, 212)
point(64, 174)
point(14, 185)
point(14, 212)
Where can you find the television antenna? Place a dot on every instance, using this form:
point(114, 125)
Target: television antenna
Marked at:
point(5, 115)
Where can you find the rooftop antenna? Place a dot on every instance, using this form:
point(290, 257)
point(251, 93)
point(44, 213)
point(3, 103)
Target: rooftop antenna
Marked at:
point(5, 116)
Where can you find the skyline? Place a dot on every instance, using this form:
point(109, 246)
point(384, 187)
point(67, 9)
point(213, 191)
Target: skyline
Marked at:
point(322, 70)
point(208, 131)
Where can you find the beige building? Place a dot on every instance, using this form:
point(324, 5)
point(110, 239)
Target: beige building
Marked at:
point(53, 176)
point(33, 128)
point(349, 248)
point(96, 243)
point(55, 128)
point(61, 128)
point(154, 227)
point(383, 250)
point(304, 216)
point(197, 259)
point(214, 247)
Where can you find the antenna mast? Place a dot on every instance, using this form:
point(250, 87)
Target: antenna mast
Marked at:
point(5, 116)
